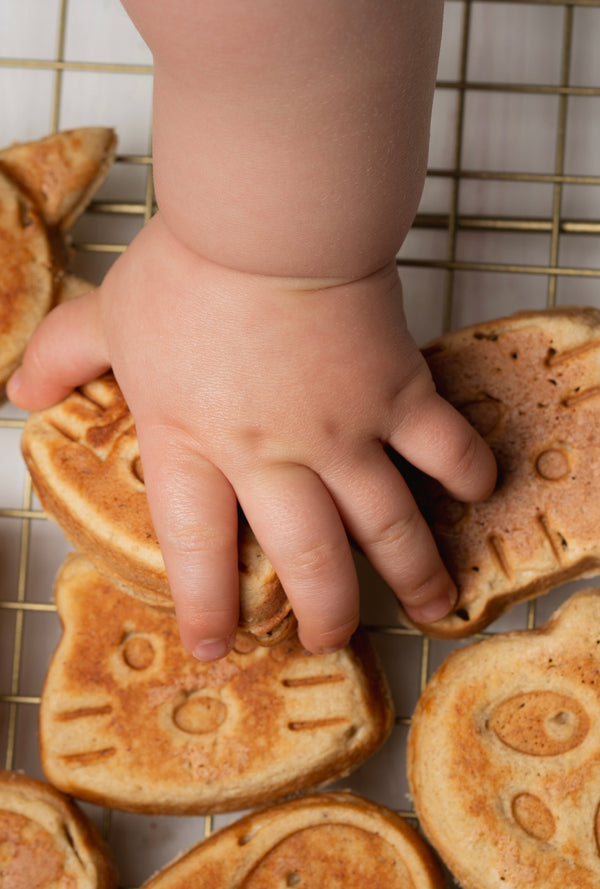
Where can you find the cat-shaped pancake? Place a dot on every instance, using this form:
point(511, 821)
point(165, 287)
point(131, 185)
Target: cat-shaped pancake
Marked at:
point(46, 841)
point(44, 186)
point(333, 840)
point(504, 755)
point(84, 459)
point(530, 384)
point(130, 720)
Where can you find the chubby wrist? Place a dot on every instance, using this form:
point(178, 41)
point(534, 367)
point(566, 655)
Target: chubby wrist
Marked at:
point(264, 280)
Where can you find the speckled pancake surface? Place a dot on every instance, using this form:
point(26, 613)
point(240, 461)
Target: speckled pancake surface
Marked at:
point(334, 840)
point(84, 459)
point(130, 720)
point(530, 384)
point(46, 841)
point(504, 755)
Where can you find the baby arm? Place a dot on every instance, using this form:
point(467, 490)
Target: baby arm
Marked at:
point(255, 325)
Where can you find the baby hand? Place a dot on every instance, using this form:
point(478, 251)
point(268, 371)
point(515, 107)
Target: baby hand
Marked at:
point(279, 394)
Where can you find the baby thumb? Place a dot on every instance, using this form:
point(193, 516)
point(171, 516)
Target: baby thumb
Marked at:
point(66, 350)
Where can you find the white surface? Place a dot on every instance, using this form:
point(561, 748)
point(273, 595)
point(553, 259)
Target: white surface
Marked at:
point(504, 131)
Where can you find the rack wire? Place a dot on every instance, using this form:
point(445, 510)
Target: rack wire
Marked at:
point(510, 218)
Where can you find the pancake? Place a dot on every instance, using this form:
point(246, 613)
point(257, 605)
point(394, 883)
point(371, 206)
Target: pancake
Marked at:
point(335, 840)
point(130, 720)
point(504, 755)
point(530, 384)
point(84, 460)
point(44, 186)
point(27, 276)
point(46, 841)
point(62, 172)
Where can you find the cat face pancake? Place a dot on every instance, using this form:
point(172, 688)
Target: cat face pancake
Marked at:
point(504, 755)
point(337, 840)
point(530, 384)
point(130, 720)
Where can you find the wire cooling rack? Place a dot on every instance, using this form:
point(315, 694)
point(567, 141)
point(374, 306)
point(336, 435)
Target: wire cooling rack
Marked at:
point(510, 219)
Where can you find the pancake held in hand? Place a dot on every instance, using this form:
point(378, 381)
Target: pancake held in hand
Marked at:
point(530, 384)
point(504, 756)
point(46, 841)
point(84, 459)
point(333, 840)
point(44, 186)
point(129, 720)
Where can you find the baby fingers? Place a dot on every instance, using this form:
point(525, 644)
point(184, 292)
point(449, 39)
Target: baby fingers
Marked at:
point(438, 440)
point(194, 512)
point(300, 529)
point(382, 516)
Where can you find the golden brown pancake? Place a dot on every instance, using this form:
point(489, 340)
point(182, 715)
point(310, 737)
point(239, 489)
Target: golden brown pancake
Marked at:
point(530, 384)
point(44, 186)
point(130, 720)
point(84, 460)
point(504, 755)
point(62, 172)
point(46, 841)
point(333, 840)
point(26, 273)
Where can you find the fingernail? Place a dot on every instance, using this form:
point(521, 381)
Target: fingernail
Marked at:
point(331, 649)
point(212, 649)
point(434, 610)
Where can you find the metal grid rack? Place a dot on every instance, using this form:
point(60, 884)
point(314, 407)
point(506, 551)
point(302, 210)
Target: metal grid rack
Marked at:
point(510, 218)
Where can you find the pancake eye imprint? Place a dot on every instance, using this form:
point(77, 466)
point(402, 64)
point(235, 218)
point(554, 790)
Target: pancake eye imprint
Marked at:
point(138, 652)
point(200, 714)
point(540, 723)
point(533, 816)
point(552, 464)
point(484, 414)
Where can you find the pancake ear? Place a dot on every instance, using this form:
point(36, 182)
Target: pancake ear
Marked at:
point(62, 172)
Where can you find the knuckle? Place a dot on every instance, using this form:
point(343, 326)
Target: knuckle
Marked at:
point(425, 589)
point(36, 357)
point(194, 539)
point(399, 532)
point(341, 633)
point(466, 455)
point(315, 558)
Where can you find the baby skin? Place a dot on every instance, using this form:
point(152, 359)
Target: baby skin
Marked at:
point(255, 325)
